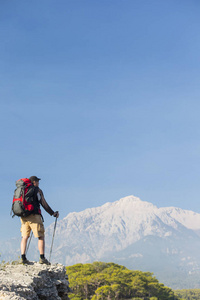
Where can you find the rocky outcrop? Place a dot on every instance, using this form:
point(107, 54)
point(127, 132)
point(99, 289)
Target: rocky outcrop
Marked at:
point(33, 282)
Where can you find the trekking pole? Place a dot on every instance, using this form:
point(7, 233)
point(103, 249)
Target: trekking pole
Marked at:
point(29, 242)
point(53, 238)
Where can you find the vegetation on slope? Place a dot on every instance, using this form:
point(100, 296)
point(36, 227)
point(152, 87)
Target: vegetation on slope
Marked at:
point(191, 294)
point(111, 281)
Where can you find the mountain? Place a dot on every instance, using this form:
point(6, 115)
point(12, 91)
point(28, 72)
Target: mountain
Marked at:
point(134, 233)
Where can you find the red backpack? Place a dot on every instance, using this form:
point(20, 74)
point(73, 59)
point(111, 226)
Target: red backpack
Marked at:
point(23, 205)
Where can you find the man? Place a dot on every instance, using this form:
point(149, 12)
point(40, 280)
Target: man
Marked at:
point(34, 222)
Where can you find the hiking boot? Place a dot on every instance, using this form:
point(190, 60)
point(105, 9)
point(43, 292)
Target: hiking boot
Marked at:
point(25, 261)
point(44, 261)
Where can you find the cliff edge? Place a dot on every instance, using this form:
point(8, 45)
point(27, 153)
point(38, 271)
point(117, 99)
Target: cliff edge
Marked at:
point(33, 282)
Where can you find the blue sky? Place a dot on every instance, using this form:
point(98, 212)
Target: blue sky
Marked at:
point(101, 100)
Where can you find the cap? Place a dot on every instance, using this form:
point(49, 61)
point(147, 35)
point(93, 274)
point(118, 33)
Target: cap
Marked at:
point(34, 178)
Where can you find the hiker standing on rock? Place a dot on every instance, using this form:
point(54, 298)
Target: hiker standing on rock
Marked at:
point(34, 222)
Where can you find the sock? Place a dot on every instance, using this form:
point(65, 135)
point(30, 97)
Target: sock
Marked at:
point(42, 256)
point(23, 256)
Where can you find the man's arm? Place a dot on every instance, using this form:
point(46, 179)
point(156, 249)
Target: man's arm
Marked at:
point(45, 205)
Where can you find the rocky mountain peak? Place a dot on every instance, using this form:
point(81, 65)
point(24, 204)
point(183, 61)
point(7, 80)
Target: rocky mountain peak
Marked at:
point(130, 198)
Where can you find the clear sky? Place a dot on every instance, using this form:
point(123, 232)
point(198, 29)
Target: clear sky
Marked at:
point(100, 99)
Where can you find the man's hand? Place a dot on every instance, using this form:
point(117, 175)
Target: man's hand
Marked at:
point(56, 214)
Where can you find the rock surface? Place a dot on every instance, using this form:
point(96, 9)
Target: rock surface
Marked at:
point(33, 282)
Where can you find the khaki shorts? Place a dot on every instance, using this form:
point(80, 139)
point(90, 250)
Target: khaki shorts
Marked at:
point(34, 223)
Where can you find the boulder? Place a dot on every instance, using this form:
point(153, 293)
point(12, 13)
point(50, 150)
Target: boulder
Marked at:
point(33, 281)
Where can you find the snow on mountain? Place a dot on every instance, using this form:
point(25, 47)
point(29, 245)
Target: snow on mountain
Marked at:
point(187, 218)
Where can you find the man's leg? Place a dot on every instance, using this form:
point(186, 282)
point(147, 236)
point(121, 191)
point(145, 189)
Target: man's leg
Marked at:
point(25, 230)
point(41, 245)
point(23, 250)
point(23, 244)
